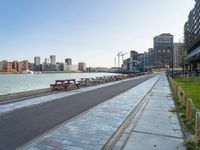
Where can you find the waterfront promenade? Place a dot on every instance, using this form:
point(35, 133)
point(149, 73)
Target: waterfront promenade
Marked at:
point(118, 115)
point(24, 120)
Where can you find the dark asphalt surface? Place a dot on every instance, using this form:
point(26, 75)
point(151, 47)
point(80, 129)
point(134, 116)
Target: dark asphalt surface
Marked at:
point(20, 126)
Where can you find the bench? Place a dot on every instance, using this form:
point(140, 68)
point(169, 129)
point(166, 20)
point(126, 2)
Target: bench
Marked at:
point(64, 84)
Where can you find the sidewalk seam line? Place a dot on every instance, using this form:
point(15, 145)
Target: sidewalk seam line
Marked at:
point(164, 135)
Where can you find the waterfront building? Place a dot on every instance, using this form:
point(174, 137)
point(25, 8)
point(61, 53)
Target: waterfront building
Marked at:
point(50, 64)
point(31, 66)
point(101, 69)
point(9, 66)
point(126, 64)
point(163, 50)
point(149, 59)
point(19, 67)
point(6, 66)
point(25, 65)
point(1, 66)
point(81, 66)
point(37, 60)
point(70, 68)
point(53, 59)
point(37, 63)
point(47, 61)
point(60, 66)
point(14, 66)
point(192, 38)
point(68, 61)
point(90, 69)
point(135, 63)
point(49, 67)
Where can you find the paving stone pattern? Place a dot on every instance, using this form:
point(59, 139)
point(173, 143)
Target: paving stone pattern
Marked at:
point(92, 129)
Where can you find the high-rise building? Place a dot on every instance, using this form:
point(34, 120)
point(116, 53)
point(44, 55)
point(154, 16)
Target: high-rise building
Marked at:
point(81, 66)
point(50, 64)
point(47, 61)
point(68, 61)
point(163, 50)
point(53, 59)
point(37, 64)
point(192, 38)
point(70, 68)
point(37, 61)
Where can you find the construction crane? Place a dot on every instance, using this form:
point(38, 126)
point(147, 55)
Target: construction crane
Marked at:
point(115, 62)
point(118, 55)
point(121, 54)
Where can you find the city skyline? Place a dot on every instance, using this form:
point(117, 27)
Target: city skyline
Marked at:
point(86, 31)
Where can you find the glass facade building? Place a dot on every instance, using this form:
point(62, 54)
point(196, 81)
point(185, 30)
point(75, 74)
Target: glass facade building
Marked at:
point(192, 37)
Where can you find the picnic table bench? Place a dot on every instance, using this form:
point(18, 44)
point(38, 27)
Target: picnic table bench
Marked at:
point(85, 81)
point(64, 84)
point(118, 77)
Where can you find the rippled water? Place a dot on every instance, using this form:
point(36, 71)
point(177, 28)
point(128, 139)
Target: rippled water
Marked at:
point(14, 83)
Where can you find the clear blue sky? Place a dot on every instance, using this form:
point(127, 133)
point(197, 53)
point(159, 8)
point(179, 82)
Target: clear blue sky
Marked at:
point(92, 31)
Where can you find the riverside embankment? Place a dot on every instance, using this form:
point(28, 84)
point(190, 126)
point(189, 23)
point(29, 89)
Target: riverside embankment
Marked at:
point(14, 83)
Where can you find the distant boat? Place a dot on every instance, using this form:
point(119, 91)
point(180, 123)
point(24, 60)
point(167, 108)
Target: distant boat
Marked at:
point(37, 72)
point(27, 72)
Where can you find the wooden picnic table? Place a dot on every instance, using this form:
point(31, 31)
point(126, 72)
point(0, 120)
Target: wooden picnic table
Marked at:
point(85, 81)
point(64, 84)
point(118, 77)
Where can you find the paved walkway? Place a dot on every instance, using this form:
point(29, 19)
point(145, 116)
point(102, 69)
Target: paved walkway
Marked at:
point(22, 125)
point(92, 130)
point(155, 127)
point(5, 108)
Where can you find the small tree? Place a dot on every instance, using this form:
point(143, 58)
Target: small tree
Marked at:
point(181, 54)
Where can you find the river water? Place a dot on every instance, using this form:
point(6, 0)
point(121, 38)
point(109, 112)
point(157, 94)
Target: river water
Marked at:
point(14, 83)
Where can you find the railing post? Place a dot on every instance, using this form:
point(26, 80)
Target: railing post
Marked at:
point(183, 97)
point(176, 87)
point(197, 128)
point(189, 106)
point(178, 92)
point(179, 95)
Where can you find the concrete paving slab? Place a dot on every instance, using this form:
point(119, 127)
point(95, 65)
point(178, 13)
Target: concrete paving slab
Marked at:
point(142, 141)
point(156, 103)
point(159, 122)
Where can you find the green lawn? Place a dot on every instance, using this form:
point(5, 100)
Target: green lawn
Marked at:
point(191, 86)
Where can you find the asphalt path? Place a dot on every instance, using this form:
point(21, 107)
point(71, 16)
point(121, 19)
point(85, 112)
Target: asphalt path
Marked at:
point(19, 127)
